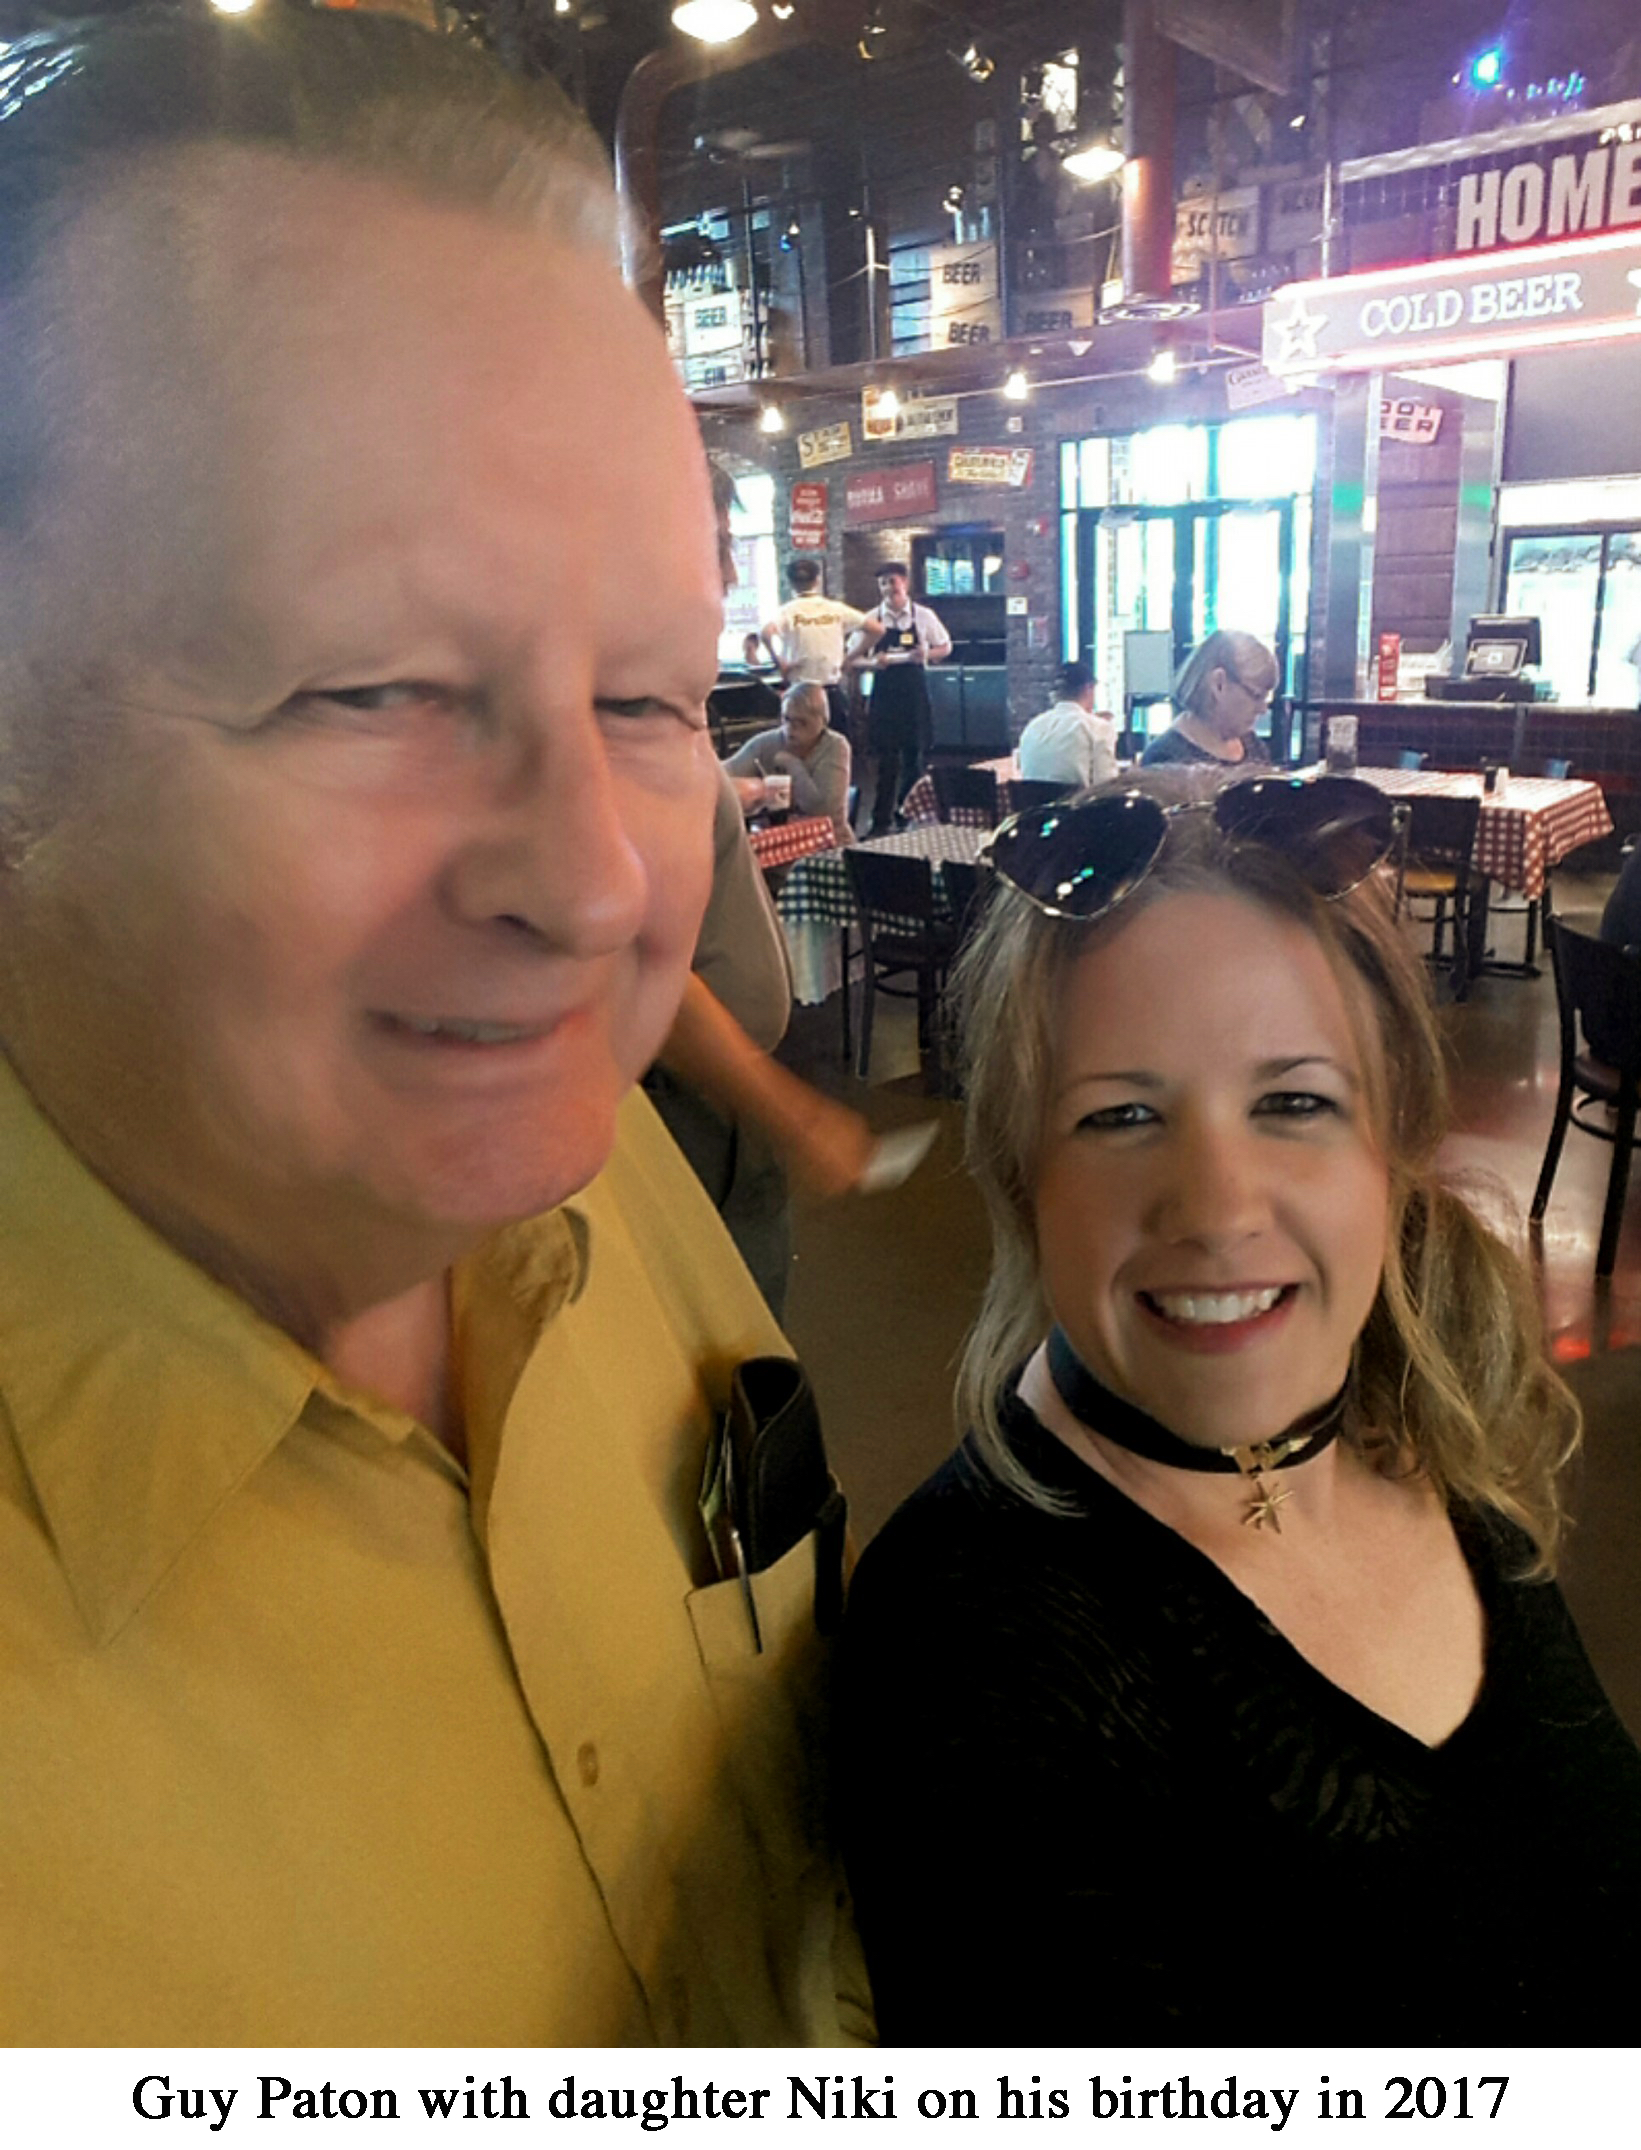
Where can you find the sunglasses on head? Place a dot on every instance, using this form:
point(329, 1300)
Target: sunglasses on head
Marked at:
point(1079, 859)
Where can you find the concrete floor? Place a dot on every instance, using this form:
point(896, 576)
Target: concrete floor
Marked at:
point(884, 1288)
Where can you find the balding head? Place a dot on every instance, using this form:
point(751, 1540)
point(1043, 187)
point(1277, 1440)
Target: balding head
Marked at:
point(128, 317)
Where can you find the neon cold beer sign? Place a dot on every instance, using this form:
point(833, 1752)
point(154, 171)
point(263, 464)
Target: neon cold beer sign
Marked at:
point(1530, 298)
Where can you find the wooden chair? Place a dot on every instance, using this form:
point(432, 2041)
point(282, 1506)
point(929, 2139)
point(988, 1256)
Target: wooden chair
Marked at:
point(1439, 870)
point(903, 935)
point(1598, 988)
point(972, 790)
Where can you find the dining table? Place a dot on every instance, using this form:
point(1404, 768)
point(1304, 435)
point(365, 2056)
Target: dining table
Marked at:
point(816, 906)
point(1527, 827)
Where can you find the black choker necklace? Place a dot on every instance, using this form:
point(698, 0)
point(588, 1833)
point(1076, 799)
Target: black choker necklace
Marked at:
point(1127, 1426)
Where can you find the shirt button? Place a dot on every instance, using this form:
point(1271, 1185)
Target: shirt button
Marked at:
point(586, 1762)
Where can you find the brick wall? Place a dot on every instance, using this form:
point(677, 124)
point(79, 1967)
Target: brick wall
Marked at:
point(1029, 517)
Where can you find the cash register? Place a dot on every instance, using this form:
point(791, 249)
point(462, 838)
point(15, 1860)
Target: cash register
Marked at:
point(1497, 651)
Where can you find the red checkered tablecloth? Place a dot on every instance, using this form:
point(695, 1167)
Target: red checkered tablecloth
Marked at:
point(1522, 835)
point(920, 804)
point(790, 840)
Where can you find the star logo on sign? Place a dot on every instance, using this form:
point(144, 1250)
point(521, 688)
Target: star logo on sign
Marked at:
point(1299, 333)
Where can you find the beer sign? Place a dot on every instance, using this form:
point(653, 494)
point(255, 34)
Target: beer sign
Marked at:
point(1530, 298)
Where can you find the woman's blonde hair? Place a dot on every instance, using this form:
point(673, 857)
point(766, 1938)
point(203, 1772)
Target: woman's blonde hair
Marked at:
point(1449, 1376)
point(1225, 650)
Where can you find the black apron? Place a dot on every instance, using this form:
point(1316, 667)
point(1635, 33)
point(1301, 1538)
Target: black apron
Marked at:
point(900, 692)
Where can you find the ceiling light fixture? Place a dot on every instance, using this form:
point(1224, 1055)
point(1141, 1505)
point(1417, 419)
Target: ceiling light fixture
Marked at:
point(1098, 161)
point(1163, 369)
point(1017, 388)
point(714, 22)
point(888, 404)
point(783, 10)
point(873, 31)
point(771, 419)
point(977, 65)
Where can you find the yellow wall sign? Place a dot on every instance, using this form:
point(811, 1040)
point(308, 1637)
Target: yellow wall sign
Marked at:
point(827, 444)
point(989, 466)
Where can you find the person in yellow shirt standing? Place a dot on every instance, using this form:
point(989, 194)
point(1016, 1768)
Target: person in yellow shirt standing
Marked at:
point(367, 1675)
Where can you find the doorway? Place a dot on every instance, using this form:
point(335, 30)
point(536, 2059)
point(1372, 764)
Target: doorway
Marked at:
point(1189, 571)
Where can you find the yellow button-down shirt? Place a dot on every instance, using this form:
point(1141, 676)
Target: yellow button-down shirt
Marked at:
point(308, 1735)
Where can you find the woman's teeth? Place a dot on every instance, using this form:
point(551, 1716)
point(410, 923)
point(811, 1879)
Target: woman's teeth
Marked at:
point(1213, 1308)
point(469, 1033)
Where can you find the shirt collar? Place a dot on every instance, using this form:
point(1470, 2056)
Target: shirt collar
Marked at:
point(141, 1393)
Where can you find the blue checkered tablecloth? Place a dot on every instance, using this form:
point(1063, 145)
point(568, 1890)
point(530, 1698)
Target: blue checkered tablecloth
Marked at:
point(815, 900)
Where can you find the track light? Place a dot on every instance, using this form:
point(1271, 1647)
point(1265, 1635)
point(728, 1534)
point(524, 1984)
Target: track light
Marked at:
point(791, 233)
point(1098, 161)
point(873, 31)
point(771, 419)
point(977, 65)
point(714, 22)
point(888, 404)
point(783, 10)
point(1017, 388)
point(1163, 369)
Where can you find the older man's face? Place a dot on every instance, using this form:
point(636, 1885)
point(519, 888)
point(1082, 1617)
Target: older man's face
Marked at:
point(378, 882)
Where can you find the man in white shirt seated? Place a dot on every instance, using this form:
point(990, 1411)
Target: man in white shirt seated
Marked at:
point(804, 749)
point(806, 637)
point(1069, 744)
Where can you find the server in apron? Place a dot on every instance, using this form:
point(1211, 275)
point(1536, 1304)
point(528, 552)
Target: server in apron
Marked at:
point(904, 639)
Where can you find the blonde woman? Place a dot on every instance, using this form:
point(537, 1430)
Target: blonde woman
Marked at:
point(1223, 689)
point(1215, 1691)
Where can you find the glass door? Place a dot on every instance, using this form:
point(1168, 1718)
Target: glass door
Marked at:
point(1584, 588)
point(1186, 571)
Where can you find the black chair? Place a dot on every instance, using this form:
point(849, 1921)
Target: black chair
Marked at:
point(968, 885)
point(972, 790)
point(1026, 792)
point(1439, 870)
point(903, 935)
point(1598, 987)
point(1391, 758)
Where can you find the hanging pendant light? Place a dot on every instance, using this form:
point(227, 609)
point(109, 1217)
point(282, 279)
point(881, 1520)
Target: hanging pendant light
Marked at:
point(714, 22)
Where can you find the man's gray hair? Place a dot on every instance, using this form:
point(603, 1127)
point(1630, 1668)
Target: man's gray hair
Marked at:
point(85, 104)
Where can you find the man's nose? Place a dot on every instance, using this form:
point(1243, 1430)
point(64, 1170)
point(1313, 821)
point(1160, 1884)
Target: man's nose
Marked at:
point(552, 851)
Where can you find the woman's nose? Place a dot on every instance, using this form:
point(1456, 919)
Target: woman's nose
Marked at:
point(1217, 1190)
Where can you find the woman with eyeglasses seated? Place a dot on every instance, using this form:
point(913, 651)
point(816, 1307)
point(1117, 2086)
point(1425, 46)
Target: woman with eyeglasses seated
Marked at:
point(1216, 1691)
point(1223, 688)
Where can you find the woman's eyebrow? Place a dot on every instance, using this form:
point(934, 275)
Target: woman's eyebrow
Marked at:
point(1287, 1062)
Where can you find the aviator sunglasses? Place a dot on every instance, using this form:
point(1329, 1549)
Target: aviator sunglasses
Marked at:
point(1078, 859)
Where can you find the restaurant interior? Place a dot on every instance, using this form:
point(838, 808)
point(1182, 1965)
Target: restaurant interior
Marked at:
point(1124, 325)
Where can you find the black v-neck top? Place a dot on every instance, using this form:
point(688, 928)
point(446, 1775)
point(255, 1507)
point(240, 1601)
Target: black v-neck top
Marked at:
point(1090, 1795)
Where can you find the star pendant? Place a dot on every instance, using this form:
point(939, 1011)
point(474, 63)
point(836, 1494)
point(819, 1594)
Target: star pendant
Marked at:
point(1264, 1505)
